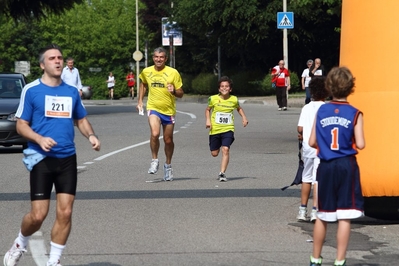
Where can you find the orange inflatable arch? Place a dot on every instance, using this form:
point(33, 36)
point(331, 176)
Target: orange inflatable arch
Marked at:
point(369, 47)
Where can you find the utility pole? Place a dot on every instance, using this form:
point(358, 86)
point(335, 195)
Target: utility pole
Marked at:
point(285, 38)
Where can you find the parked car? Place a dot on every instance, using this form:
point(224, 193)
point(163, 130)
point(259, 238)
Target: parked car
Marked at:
point(11, 85)
point(86, 92)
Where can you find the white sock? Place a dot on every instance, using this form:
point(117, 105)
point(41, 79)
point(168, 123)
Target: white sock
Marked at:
point(55, 252)
point(155, 160)
point(22, 240)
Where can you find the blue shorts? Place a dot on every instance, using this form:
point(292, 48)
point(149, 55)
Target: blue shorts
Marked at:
point(223, 139)
point(339, 191)
point(165, 119)
point(62, 172)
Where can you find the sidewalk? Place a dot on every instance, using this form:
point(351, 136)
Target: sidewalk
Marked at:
point(265, 100)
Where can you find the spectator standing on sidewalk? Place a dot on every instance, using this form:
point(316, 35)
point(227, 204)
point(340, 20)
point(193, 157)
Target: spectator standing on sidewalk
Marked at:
point(317, 69)
point(337, 133)
point(70, 75)
point(319, 93)
point(281, 76)
point(306, 79)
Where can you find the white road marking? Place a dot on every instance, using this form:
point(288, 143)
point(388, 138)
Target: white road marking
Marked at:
point(38, 249)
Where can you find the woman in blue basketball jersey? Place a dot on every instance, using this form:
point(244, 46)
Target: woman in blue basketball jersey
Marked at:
point(337, 134)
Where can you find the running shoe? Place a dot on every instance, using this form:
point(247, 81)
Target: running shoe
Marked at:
point(302, 214)
point(53, 263)
point(13, 255)
point(284, 108)
point(279, 109)
point(168, 172)
point(313, 263)
point(154, 167)
point(313, 216)
point(335, 264)
point(222, 177)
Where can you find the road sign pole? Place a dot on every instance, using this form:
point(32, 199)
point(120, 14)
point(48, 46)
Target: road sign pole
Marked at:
point(137, 49)
point(285, 38)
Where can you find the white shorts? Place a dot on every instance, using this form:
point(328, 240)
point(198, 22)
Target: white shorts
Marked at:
point(310, 169)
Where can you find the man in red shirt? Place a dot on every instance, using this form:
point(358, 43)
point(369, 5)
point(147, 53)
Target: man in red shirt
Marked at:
point(281, 76)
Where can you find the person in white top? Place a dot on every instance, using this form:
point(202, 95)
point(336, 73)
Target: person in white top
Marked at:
point(70, 75)
point(309, 155)
point(111, 84)
point(306, 79)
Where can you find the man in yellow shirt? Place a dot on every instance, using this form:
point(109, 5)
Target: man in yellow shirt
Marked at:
point(164, 84)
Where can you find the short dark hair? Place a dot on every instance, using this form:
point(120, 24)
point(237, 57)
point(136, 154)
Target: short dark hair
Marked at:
point(45, 49)
point(226, 78)
point(318, 89)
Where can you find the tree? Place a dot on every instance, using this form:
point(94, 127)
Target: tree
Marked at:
point(34, 9)
point(248, 34)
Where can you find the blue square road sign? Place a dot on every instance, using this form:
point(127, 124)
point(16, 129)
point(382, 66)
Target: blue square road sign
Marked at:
point(285, 20)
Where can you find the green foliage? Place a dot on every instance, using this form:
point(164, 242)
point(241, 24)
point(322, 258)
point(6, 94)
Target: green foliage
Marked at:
point(35, 9)
point(205, 84)
point(187, 82)
point(100, 33)
point(295, 82)
point(244, 83)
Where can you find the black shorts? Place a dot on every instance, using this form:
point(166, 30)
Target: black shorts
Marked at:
point(62, 172)
point(223, 139)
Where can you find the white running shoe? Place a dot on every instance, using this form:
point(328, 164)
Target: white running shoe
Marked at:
point(168, 173)
point(53, 263)
point(13, 255)
point(302, 214)
point(313, 216)
point(222, 177)
point(154, 167)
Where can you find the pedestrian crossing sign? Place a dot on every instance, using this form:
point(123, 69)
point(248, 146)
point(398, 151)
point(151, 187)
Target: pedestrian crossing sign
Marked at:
point(285, 20)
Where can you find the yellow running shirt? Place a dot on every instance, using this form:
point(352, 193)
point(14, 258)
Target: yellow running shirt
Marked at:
point(159, 98)
point(222, 118)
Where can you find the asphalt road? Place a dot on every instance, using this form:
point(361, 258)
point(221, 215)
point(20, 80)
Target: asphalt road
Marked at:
point(124, 216)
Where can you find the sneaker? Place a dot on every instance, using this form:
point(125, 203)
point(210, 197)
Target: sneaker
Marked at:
point(53, 263)
point(154, 167)
point(167, 173)
point(13, 255)
point(222, 177)
point(284, 108)
point(302, 214)
point(279, 109)
point(335, 264)
point(313, 216)
point(314, 264)
point(318, 263)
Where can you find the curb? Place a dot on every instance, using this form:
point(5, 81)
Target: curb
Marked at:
point(268, 100)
